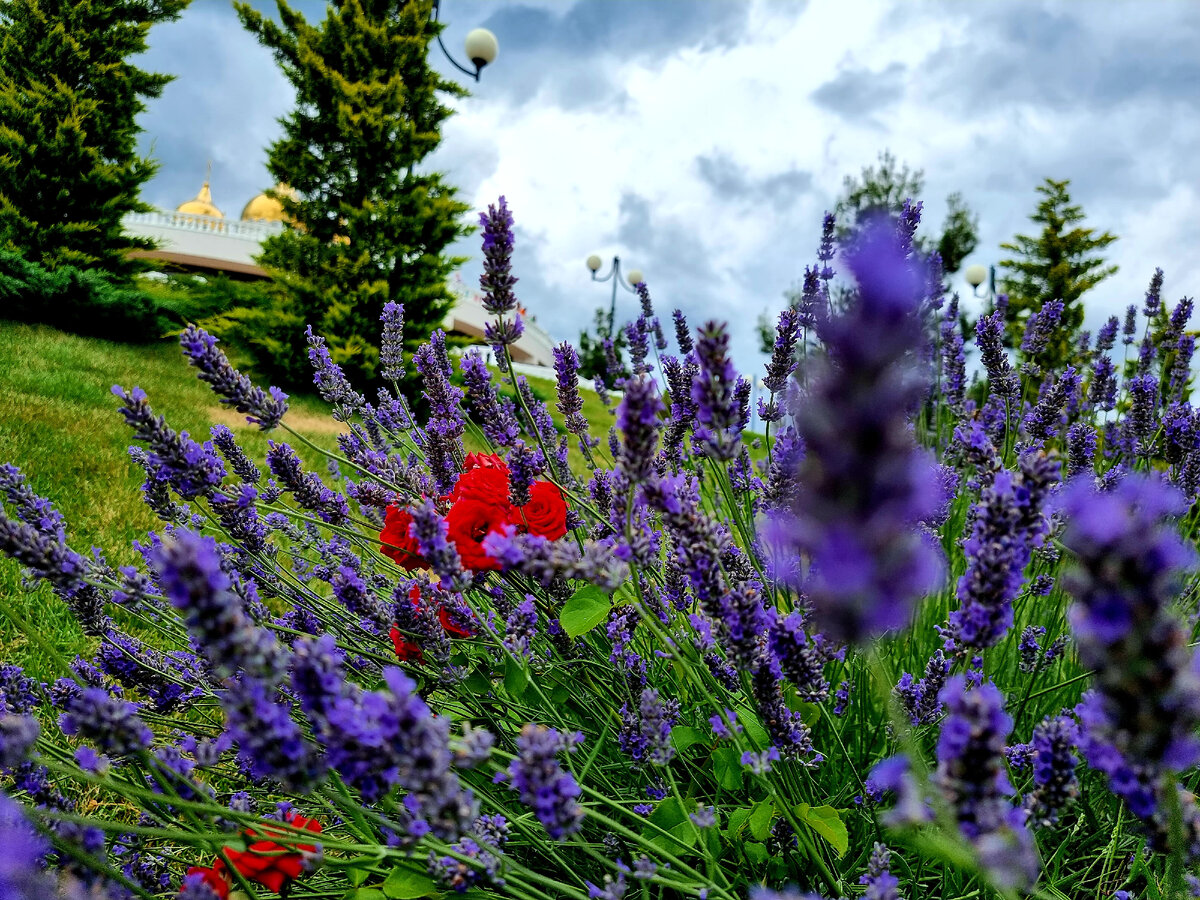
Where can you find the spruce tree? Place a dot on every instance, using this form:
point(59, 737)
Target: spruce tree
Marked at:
point(1063, 262)
point(369, 225)
point(69, 167)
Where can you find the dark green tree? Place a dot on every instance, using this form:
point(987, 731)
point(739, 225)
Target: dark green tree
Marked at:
point(69, 167)
point(884, 188)
point(1063, 262)
point(369, 225)
point(593, 358)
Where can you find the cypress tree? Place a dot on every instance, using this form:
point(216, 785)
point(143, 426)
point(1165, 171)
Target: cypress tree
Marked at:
point(1063, 262)
point(368, 226)
point(69, 167)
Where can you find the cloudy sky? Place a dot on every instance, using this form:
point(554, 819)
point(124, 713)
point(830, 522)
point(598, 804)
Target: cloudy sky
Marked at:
point(701, 140)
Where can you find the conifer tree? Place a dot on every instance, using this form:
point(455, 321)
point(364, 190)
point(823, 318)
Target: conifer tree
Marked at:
point(69, 167)
point(369, 225)
point(1063, 262)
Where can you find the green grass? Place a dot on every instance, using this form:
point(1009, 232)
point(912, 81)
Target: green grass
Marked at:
point(59, 424)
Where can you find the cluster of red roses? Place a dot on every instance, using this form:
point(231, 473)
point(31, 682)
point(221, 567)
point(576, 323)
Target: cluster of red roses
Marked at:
point(479, 506)
point(270, 864)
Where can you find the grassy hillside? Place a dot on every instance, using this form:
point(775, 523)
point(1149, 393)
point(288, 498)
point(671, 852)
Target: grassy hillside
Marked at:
point(59, 425)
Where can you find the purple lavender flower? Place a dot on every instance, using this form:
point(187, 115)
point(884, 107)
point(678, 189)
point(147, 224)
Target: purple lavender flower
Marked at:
point(683, 337)
point(645, 733)
point(331, 381)
point(114, 724)
point(520, 627)
point(391, 349)
point(638, 422)
point(432, 537)
point(22, 873)
point(1008, 526)
point(783, 360)
point(1102, 392)
point(193, 469)
point(542, 784)
point(1141, 718)
point(1054, 762)
point(1154, 295)
point(880, 883)
point(1040, 328)
point(972, 778)
point(234, 388)
point(496, 415)
point(954, 364)
point(637, 336)
point(497, 280)
point(864, 485)
point(718, 428)
point(306, 487)
point(1002, 381)
point(224, 440)
point(1139, 422)
point(1181, 367)
point(570, 404)
point(1043, 421)
point(921, 699)
point(1081, 449)
point(1130, 327)
point(18, 734)
point(443, 434)
point(1106, 337)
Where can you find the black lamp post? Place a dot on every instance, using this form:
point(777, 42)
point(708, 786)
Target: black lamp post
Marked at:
point(632, 277)
point(481, 47)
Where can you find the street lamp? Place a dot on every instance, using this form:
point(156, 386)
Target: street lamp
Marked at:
point(976, 275)
point(481, 47)
point(633, 276)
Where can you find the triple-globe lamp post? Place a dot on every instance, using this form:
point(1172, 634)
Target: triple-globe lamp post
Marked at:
point(481, 47)
point(632, 277)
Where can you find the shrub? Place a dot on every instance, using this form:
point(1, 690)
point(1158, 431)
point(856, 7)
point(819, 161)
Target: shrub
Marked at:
point(685, 675)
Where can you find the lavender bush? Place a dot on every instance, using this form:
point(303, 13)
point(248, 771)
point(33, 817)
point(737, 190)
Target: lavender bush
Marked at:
point(925, 637)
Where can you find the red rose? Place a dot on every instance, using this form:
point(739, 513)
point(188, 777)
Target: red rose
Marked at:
point(487, 484)
point(396, 542)
point(406, 650)
point(452, 627)
point(269, 863)
point(214, 877)
point(469, 521)
point(484, 461)
point(545, 515)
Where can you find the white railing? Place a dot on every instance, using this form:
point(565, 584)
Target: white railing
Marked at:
point(177, 221)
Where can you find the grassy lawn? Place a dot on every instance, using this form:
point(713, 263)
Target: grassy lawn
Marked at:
point(59, 424)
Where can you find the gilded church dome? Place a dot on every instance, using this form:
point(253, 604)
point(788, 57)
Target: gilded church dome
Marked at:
point(201, 205)
point(267, 209)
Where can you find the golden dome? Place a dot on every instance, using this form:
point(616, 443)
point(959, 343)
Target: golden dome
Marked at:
point(267, 209)
point(201, 205)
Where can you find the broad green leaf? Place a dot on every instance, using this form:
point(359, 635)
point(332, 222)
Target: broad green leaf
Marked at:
point(826, 822)
point(670, 816)
point(760, 820)
point(737, 819)
point(727, 767)
point(408, 884)
point(684, 736)
point(362, 893)
point(587, 608)
point(754, 729)
point(516, 678)
point(357, 876)
point(756, 853)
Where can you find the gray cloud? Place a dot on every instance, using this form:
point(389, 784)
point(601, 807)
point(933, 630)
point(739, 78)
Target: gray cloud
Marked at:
point(730, 181)
point(856, 93)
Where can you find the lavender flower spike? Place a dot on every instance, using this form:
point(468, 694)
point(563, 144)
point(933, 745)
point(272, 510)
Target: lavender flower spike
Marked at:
point(718, 420)
point(497, 280)
point(541, 782)
point(391, 350)
point(234, 388)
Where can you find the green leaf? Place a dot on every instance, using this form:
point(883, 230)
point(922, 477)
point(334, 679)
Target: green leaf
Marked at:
point(516, 678)
point(587, 608)
point(408, 884)
point(760, 820)
point(684, 736)
point(670, 816)
point(754, 728)
point(826, 822)
point(363, 893)
point(727, 767)
point(357, 876)
point(737, 819)
point(756, 853)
